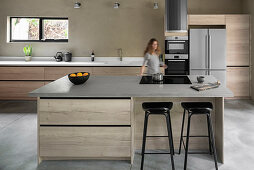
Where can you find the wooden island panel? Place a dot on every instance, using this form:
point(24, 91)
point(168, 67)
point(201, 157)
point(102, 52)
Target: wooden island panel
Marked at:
point(84, 112)
point(84, 142)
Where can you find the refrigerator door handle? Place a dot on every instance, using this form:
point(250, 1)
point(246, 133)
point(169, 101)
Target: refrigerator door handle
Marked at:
point(206, 52)
point(209, 53)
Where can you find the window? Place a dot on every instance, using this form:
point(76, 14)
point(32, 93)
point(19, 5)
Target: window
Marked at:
point(34, 29)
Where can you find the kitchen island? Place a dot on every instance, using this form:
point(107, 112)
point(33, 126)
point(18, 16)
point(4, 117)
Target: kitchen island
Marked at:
point(103, 118)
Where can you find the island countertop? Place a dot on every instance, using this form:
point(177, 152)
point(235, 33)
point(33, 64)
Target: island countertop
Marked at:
point(125, 87)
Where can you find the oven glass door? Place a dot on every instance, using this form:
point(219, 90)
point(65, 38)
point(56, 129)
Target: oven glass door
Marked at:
point(177, 67)
point(176, 47)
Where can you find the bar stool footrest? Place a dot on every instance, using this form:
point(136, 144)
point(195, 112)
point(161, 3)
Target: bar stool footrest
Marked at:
point(153, 153)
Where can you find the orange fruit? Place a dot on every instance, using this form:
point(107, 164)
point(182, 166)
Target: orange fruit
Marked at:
point(79, 74)
point(85, 74)
point(73, 75)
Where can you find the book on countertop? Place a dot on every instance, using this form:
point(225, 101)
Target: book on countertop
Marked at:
point(203, 87)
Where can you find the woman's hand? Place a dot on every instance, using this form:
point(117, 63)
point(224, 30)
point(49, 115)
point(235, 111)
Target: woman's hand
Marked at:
point(165, 66)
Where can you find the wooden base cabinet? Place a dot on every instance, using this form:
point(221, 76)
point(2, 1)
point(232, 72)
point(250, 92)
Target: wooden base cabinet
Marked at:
point(18, 90)
point(85, 142)
point(238, 81)
point(84, 129)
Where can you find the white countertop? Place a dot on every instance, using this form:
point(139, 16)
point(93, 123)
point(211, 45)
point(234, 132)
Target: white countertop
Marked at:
point(76, 61)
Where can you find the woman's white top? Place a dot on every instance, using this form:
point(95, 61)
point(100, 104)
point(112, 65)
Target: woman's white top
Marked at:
point(153, 63)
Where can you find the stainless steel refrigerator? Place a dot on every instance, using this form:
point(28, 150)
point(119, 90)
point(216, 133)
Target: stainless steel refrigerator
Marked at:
point(208, 53)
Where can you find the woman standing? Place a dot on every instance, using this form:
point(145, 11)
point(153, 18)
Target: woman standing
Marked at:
point(151, 58)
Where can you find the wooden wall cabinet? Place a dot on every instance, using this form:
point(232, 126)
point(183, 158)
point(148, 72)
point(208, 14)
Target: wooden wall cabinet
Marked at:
point(206, 20)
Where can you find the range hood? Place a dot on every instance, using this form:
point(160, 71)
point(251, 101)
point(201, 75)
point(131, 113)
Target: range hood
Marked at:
point(176, 15)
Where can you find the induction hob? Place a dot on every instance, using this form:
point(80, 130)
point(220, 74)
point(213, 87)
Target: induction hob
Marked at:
point(166, 80)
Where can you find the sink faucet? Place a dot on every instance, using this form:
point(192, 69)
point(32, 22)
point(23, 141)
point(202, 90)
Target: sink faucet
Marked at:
point(120, 53)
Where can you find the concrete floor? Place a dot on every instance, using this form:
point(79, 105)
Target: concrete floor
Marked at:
point(18, 143)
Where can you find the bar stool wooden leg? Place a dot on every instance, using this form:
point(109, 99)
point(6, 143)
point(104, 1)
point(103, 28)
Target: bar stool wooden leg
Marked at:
point(144, 139)
point(170, 139)
point(187, 142)
point(212, 141)
point(181, 137)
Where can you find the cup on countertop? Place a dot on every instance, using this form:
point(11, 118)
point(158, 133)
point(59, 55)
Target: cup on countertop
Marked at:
point(200, 79)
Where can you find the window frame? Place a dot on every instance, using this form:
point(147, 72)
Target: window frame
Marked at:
point(41, 19)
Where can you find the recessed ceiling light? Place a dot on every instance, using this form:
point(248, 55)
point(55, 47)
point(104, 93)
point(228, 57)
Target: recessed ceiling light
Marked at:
point(116, 5)
point(156, 5)
point(77, 5)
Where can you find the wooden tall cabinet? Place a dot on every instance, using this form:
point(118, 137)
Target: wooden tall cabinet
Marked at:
point(239, 55)
point(238, 40)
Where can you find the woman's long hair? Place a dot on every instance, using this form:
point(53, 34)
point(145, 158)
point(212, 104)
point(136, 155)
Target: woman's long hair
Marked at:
point(149, 47)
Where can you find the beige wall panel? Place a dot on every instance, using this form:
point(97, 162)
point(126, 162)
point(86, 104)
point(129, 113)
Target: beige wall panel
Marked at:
point(97, 26)
point(84, 112)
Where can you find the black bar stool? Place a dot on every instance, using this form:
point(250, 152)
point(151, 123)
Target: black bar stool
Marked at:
point(158, 108)
point(198, 108)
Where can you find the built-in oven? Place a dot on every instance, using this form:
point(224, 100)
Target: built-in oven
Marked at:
point(177, 64)
point(177, 45)
point(177, 55)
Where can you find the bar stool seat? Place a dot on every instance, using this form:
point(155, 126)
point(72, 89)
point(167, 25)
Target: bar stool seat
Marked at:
point(158, 108)
point(198, 108)
point(202, 107)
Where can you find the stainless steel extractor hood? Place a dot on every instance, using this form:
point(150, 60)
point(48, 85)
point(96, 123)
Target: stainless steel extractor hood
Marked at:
point(176, 15)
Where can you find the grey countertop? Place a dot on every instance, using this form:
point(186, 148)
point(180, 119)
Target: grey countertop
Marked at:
point(124, 86)
point(76, 62)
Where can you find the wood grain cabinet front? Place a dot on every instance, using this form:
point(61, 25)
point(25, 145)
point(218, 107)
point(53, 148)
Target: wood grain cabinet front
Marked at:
point(238, 40)
point(238, 81)
point(84, 112)
point(85, 142)
point(18, 90)
point(206, 20)
point(22, 73)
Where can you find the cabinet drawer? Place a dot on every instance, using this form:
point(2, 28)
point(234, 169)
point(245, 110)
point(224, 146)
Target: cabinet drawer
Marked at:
point(84, 112)
point(238, 81)
point(206, 20)
point(18, 90)
point(54, 73)
point(21, 73)
point(90, 142)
